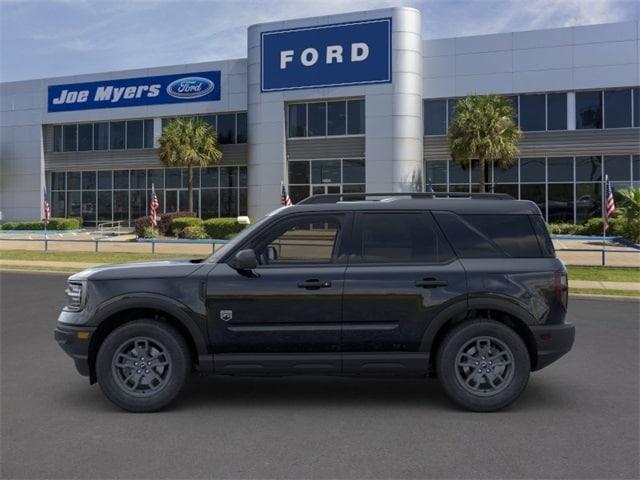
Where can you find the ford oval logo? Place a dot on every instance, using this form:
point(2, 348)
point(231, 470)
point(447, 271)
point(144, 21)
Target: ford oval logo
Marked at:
point(190, 87)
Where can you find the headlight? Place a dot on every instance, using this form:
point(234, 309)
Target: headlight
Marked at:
point(75, 296)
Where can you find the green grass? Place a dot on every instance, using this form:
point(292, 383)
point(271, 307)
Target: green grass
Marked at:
point(601, 291)
point(86, 257)
point(604, 274)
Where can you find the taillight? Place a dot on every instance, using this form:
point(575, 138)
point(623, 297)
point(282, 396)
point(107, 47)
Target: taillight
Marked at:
point(562, 288)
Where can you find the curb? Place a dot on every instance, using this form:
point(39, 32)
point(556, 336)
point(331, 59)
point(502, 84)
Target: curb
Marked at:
point(616, 298)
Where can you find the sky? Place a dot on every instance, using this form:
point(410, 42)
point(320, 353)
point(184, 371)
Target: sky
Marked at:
point(49, 38)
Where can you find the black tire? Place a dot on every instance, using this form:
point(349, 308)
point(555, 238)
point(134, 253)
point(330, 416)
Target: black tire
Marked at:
point(121, 365)
point(468, 349)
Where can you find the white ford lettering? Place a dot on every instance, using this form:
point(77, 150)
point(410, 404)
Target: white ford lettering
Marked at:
point(333, 54)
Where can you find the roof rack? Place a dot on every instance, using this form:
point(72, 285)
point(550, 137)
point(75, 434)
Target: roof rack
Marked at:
point(342, 197)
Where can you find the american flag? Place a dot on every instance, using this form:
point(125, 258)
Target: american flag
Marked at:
point(285, 199)
point(610, 204)
point(153, 207)
point(46, 208)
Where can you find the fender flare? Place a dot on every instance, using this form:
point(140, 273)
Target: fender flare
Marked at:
point(154, 301)
point(488, 302)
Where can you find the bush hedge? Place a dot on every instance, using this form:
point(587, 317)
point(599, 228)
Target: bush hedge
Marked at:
point(140, 224)
point(55, 223)
point(164, 224)
point(593, 226)
point(193, 232)
point(180, 223)
point(222, 228)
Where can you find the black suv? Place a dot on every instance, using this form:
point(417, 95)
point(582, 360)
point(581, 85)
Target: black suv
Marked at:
point(463, 287)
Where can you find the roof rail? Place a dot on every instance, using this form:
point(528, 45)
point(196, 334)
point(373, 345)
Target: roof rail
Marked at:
point(343, 197)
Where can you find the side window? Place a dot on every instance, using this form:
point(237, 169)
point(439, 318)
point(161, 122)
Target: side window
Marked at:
point(467, 241)
point(401, 238)
point(514, 234)
point(304, 240)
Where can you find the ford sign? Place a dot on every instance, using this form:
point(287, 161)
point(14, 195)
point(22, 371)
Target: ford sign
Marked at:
point(190, 87)
point(353, 53)
point(134, 92)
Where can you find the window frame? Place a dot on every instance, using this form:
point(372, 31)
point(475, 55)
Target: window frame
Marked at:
point(326, 102)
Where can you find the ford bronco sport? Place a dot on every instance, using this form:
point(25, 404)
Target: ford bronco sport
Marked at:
point(464, 287)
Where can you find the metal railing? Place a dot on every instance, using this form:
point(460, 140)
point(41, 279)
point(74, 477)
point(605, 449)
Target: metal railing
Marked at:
point(114, 224)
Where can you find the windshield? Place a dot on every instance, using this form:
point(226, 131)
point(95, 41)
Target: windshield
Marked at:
point(220, 252)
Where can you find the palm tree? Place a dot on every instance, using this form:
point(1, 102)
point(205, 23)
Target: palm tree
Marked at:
point(484, 129)
point(630, 203)
point(189, 143)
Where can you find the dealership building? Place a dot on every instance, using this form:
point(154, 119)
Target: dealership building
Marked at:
point(343, 103)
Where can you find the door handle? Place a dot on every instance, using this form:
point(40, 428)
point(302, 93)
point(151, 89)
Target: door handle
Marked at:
point(430, 283)
point(314, 284)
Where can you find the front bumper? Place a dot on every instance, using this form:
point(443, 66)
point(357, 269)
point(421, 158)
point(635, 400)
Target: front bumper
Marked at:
point(75, 343)
point(552, 342)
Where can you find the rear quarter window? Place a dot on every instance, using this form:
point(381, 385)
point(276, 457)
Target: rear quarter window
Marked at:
point(488, 236)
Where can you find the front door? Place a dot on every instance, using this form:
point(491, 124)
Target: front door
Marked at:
point(401, 273)
point(287, 313)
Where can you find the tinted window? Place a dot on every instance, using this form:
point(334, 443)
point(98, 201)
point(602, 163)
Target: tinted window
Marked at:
point(436, 171)
point(156, 178)
point(353, 171)
point(242, 128)
point(457, 174)
point(121, 179)
point(532, 170)
point(89, 180)
point(209, 179)
point(298, 172)
point(337, 118)
point(467, 241)
point(227, 128)
point(560, 204)
point(451, 109)
point(532, 112)
point(135, 134)
point(435, 117)
point(325, 171)
point(57, 138)
point(70, 138)
point(544, 239)
point(355, 117)
point(297, 120)
point(506, 175)
point(101, 136)
point(85, 137)
point(73, 180)
point(556, 111)
point(117, 135)
point(105, 181)
point(636, 107)
point(228, 177)
point(401, 238)
point(57, 181)
point(617, 108)
point(588, 169)
point(513, 234)
point(310, 239)
point(148, 134)
point(589, 109)
point(617, 167)
point(560, 169)
point(317, 115)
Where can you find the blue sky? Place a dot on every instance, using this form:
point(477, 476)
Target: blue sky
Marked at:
point(51, 38)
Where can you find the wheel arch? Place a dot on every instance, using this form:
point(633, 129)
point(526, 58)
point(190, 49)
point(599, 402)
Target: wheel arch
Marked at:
point(127, 309)
point(502, 310)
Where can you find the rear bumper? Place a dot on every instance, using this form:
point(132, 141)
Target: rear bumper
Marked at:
point(75, 343)
point(552, 342)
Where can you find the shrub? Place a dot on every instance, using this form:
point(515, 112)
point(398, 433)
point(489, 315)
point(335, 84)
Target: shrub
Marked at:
point(9, 225)
point(164, 225)
point(222, 228)
point(139, 224)
point(148, 232)
point(64, 223)
point(55, 223)
point(180, 223)
point(563, 228)
point(193, 232)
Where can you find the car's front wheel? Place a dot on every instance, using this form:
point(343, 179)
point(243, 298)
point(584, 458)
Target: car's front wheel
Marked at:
point(142, 365)
point(483, 365)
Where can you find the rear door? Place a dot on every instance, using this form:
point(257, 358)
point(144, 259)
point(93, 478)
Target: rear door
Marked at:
point(402, 272)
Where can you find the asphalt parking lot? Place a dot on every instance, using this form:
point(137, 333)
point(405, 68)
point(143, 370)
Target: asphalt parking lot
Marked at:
point(578, 418)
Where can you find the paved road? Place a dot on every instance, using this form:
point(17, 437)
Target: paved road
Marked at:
point(578, 418)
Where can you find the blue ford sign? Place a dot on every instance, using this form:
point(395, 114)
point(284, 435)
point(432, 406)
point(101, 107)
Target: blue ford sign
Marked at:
point(353, 53)
point(133, 92)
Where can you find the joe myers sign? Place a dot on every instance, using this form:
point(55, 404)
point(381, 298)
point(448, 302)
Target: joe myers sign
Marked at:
point(351, 53)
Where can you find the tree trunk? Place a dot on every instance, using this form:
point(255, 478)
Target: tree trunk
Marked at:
point(190, 187)
point(482, 166)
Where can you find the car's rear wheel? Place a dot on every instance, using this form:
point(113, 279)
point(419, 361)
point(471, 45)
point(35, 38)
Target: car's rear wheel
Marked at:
point(483, 365)
point(142, 365)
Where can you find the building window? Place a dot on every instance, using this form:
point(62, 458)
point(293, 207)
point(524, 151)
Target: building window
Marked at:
point(533, 112)
point(70, 138)
point(452, 103)
point(532, 170)
point(636, 107)
point(298, 120)
point(589, 109)
point(560, 169)
point(57, 138)
point(148, 133)
point(355, 117)
point(435, 172)
point(618, 167)
point(617, 108)
point(227, 128)
point(321, 119)
point(241, 129)
point(85, 137)
point(588, 169)
point(317, 119)
point(435, 117)
point(101, 136)
point(556, 111)
point(336, 118)
point(117, 135)
point(317, 177)
point(135, 134)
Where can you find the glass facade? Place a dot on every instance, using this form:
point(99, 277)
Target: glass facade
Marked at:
point(317, 177)
point(567, 189)
point(117, 135)
point(326, 119)
point(108, 195)
point(230, 127)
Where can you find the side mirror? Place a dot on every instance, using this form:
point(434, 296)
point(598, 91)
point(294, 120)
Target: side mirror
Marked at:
point(246, 260)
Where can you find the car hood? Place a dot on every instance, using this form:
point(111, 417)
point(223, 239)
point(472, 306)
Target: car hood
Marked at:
point(139, 270)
